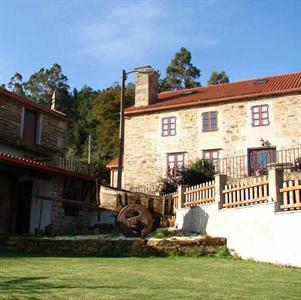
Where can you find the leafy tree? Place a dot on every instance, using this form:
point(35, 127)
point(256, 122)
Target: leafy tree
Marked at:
point(195, 173)
point(43, 83)
point(181, 73)
point(2, 85)
point(218, 78)
point(15, 84)
point(106, 114)
point(81, 123)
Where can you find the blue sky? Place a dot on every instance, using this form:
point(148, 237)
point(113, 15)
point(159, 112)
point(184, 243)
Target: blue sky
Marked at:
point(94, 40)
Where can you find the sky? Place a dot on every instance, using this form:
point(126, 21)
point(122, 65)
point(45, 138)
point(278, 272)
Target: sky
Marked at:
point(94, 40)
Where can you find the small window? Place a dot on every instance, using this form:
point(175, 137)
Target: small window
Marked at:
point(71, 209)
point(212, 157)
point(209, 121)
point(260, 115)
point(175, 162)
point(169, 126)
point(31, 127)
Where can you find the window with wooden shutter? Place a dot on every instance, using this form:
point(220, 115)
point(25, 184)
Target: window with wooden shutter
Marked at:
point(30, 127)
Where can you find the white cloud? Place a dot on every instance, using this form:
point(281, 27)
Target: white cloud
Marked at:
point(136, 29)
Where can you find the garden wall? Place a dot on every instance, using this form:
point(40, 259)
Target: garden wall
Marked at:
point(255, 231)
point(102, 246)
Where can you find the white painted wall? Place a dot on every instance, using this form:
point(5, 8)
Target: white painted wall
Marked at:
point(255, 232)
point(40, 215)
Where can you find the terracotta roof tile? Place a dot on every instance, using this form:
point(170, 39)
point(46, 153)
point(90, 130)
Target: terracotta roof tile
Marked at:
point(40, 166)
point(113, 164)
point(247, 89)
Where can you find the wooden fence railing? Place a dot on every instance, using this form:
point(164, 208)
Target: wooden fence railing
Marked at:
point(286, 195)
point(203, 193)
point(246, 193)
point(70, 165)
point(291, 195)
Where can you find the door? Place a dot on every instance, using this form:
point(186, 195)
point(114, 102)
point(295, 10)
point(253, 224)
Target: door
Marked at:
point(5, 203)
point(23, 207)
point(259, 158)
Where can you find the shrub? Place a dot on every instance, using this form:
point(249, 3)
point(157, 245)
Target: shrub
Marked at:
point(195, 173)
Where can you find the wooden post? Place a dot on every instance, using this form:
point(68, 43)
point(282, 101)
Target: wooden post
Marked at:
point(276, 179)
point(220, 183)
point(181, 196)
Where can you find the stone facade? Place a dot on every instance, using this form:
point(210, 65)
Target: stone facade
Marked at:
point(145, 153)
point(146, 88)
point(31, 192)
point(52, 131)
point(60, 221)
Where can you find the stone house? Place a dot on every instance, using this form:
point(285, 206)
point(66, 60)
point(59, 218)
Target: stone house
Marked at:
point(38, 186)
point(241, 127)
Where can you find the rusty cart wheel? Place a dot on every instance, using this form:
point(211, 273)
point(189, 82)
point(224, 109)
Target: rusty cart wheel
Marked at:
point(135, 220)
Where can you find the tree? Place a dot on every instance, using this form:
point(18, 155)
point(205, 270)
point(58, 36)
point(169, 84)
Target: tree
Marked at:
point(81, 123)
point(15, 84)
point(106, 114)
point(218, 78)
point(43, 83)
point(2, 85)
point(181, 73)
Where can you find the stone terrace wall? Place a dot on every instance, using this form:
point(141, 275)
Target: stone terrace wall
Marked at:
point(116, 247)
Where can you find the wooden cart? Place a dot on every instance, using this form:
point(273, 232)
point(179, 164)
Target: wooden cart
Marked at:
point(138, 214)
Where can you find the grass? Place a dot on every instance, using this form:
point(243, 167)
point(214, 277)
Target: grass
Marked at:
point(162, 234)
point(39, 277)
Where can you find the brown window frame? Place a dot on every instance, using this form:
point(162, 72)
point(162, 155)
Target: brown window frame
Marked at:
point(210, 124)
point(176, 162)
point(30, 138)
point(260, 115)
point(211, 159)
point(166, 126)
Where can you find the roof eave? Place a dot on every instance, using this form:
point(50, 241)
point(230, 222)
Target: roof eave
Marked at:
point(205, 102)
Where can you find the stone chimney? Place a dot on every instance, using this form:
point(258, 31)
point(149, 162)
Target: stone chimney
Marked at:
point(146, 86)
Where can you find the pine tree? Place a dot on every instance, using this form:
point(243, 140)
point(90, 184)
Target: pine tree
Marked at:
point(218, 78)
point(181, 73)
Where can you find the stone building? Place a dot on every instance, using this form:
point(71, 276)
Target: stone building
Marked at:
point(38, 186)
point(241, 127)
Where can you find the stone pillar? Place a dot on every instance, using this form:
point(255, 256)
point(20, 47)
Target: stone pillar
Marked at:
point(276, 178)
point(146, 86)
point(220, 183)
point(181, 196)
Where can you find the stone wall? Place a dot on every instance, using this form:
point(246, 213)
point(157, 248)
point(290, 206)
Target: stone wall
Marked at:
point(116, 246)
point(10, 121)
point(52, 131)
point(146, 150)
point(62, 223)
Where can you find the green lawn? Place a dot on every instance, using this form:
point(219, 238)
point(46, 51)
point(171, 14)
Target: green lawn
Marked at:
point(38, 277)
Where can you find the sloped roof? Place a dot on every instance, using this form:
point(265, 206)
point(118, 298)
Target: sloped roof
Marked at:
point(113, 164)
point(240, 90)
point(31, 104)
point(40, 166)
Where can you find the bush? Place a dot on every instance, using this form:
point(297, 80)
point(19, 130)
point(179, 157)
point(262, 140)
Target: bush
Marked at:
point(195, 173)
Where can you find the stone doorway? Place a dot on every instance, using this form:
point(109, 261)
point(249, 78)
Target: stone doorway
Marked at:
point(23, 207)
